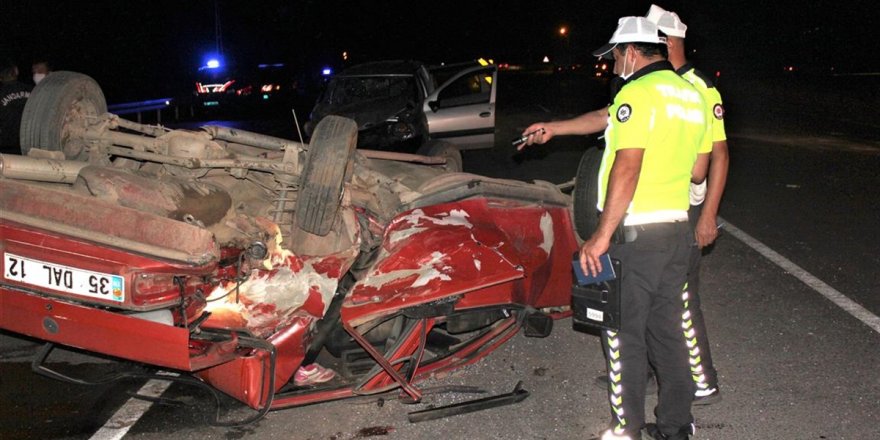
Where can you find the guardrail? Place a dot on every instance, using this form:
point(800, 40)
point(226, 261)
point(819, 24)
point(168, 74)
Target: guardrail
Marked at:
point(139, 107)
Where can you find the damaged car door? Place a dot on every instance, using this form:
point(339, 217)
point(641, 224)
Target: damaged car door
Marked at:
point(462, 110)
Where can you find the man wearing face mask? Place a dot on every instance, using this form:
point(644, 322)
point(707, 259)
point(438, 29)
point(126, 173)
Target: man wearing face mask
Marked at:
point(702, 215)
point(40, 69)
point(13, 96)
point(657, 143)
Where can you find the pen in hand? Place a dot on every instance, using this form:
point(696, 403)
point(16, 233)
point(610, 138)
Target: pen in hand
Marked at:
point(522, 139)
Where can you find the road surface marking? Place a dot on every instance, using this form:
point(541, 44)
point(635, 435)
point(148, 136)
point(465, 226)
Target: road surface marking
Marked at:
point(126, 416)
point(833, 295)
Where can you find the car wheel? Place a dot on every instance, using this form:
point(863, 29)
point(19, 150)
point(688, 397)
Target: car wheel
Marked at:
point(326, 167)
point(446, 150)
point(586, 193)
point(59, 103)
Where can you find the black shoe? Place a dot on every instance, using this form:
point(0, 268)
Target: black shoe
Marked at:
point(602, 382)
point(652, 432)
point(712, 395)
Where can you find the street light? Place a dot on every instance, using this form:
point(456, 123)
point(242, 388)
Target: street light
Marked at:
point(566, 48)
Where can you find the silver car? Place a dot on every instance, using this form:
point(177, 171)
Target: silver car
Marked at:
point(408, 107)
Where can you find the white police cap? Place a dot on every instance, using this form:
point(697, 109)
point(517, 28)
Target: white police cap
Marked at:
point(666, 21)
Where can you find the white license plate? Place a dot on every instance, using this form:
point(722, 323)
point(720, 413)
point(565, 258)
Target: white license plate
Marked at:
point(63, 278)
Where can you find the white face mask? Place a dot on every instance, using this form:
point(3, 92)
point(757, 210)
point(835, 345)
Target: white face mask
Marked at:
point(623, 73)
point(38, 77)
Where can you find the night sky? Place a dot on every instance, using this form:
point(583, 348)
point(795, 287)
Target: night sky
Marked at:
point(149, 48)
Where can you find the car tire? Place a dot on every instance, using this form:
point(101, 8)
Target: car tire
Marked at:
point(327, 165)
point(435, 148)
point(60, 101)
point(586, 194)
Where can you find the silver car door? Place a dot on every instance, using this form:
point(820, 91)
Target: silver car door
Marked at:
point(462, 110)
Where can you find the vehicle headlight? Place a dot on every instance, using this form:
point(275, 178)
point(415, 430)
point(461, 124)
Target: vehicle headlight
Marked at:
point(402, 130)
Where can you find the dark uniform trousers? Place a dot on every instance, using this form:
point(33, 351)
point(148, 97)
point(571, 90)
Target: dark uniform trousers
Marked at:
point(704, 360)
point(654, 270)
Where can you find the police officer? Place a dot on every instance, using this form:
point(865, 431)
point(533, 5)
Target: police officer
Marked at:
point(702, 214)
point(13, 96)
point(656, 143)
point(705, 199)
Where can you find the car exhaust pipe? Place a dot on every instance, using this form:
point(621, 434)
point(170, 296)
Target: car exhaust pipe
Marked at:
point(251, 138)
point(39, 170)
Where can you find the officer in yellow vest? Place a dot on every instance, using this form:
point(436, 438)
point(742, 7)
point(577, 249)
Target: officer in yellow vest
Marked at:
point(657, 142)
point(705, 199)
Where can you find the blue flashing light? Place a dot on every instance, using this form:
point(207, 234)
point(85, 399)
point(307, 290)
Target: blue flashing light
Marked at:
point(327, 71)
point(213, 61)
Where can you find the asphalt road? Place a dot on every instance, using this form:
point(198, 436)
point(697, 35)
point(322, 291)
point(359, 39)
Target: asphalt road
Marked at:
point(793, 364)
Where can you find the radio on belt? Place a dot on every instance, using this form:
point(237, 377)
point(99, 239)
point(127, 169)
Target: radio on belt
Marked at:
point(597, 305)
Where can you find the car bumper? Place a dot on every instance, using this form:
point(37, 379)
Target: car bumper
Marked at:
point(106, 332)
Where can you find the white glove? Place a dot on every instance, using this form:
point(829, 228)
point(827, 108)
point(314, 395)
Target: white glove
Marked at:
point(697, 193)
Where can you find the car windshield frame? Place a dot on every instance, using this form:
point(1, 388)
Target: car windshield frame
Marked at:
point(351, 89)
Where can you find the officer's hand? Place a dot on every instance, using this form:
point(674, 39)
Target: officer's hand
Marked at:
point(591, 250)
point(537, 133)
point(707, 231)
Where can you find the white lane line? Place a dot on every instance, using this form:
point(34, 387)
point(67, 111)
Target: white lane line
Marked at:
point(131, 412)
point(833, 295)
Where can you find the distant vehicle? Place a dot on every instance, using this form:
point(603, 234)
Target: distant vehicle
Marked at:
point(409, 107)
point(220, 87)
point(603, 69)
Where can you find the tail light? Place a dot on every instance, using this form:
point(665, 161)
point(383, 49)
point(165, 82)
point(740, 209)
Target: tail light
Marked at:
point(214, 88)
point(245, 91)
point(155, 289)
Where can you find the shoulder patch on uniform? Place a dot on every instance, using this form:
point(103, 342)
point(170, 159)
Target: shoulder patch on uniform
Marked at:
point(624, 112)
point(718, 110)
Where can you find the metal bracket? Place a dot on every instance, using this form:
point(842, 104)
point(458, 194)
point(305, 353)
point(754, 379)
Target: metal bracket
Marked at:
point(407, 387)
point(517, 395)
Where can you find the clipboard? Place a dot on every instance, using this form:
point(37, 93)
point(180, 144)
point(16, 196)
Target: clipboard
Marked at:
point(597, 304)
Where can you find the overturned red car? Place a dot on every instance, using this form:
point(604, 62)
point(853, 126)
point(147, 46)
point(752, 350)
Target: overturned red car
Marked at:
point(239, 258)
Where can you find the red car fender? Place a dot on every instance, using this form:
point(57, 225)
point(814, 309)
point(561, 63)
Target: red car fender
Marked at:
point(505, 251)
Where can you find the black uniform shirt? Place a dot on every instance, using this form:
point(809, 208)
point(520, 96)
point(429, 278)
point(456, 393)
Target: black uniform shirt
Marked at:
point(13, 96)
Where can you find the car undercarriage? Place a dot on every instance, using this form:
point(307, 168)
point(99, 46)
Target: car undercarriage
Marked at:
point(236, 258)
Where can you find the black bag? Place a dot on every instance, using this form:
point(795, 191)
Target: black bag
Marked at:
point(597, 305)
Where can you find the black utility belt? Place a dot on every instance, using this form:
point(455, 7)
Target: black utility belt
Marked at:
point(628, 234)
